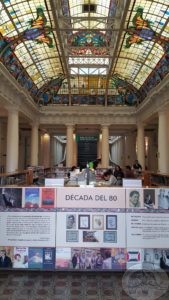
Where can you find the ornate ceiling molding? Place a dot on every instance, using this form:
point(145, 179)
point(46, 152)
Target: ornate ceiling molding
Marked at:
point(157, 98)
point(12, 94)
point(92, 115)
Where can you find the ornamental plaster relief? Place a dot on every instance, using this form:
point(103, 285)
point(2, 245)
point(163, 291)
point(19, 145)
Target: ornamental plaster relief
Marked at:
point(12, 94)
point(158, 98)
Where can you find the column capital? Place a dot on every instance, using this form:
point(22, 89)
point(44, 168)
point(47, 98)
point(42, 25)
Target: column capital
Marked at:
point(105, 125)
point(140, 124)
point(34, 123)
point(12, 109)
point(70, 125)
point(162, 112)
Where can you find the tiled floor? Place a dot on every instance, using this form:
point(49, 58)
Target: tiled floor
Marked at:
point(34, 285)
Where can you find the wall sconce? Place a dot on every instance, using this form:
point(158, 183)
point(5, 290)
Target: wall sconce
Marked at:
point(146, 145)
point(46, 136)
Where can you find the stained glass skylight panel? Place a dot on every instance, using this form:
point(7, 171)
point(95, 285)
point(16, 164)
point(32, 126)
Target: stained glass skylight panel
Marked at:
point(23, 55)
point(88, 60)
point(85, 28)
point(38, 48)
point(76, 10)
point(90, 71)
point(144, 41)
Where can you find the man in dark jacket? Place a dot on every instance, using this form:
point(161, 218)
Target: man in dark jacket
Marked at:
point(5, 261)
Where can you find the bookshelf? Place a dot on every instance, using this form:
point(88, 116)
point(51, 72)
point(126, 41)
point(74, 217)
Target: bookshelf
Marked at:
point(36, 173)
point(155, 179)
point(15, 178)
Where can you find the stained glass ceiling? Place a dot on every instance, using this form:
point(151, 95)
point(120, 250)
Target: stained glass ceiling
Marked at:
point(106, 51)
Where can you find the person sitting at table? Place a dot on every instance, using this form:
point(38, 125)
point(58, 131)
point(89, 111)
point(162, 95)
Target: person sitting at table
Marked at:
point(118, 173)
point(128, 172)
point(72, 175)
point(109, 178)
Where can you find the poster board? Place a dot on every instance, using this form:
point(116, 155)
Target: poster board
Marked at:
point(113, 229)
point(148, 229)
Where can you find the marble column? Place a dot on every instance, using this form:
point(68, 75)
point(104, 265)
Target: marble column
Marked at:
point(46, 150)
point(74, 150)
point(140, 145)
point(99, 143)
point(163, 158)
point(69, 145)
point(12, 141)
point(34, 144)
point(52, 158)
point(105, 146)
point(129, 149)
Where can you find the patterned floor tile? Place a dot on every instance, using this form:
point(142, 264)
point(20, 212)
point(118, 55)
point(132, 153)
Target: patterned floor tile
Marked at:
point(62, 286)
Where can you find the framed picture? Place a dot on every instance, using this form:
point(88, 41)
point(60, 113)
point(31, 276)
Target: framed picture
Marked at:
point(149, 198)
point(70, 221)
point(72, 236)
point(98, 222)
point(91, 236)
point(84, 221)
point(111, 222)
point(110, 236)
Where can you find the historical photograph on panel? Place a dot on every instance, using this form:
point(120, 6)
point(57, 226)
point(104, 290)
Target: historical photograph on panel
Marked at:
point(98, 222)
point(90, 236)
point(162, 196)
point(134, 198)
point(119, 258)
point(20, 257)
point(70, 221)
point(94, 260)
point(10, 197)
point(6, 256)
point(77, 258)
point(84, 222)
point(110, 236)
point(72, 236)
point(63, 258)
point(111, 222)
point(149, 198)
point(156, 259)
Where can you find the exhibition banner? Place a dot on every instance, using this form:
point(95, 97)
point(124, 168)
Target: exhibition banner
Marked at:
point(76, 197)
point(84, 228)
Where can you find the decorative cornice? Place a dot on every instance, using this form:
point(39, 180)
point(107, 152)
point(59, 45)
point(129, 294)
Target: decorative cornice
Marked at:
point(12, 94)
point(87, 115)
point(157, 98)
